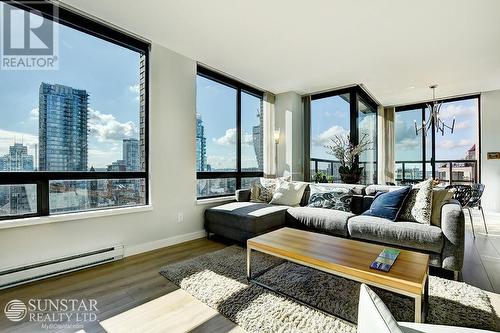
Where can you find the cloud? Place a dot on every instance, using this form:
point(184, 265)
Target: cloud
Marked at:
point(324, 138)
point(458, 111)
point(405, 136)
point(135, 89)
point(7, 139)
point(450, 144)
point(407, 144)
point(105, 127)
point(34, 113)
point(229, 138)
point(102, 156)
point(221, 162)
point(462, 125)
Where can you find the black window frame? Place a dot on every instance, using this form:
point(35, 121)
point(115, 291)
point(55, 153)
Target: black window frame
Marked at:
point(240, 88)
point(356, 93)
point(42, 178)
point(423, 106)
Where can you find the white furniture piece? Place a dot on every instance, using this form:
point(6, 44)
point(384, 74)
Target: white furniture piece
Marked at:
point(375, 317)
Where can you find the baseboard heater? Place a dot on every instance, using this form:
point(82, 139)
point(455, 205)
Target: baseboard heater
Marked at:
point(23, 274)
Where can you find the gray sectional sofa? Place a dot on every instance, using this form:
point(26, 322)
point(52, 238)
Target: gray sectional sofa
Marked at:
point(444, 243)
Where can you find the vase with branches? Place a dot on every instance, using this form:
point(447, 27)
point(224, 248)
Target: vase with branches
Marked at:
point(347, 153)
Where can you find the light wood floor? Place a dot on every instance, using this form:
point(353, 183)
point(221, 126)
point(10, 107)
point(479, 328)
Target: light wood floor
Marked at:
point(132, 297)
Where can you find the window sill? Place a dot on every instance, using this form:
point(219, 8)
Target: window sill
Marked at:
point(215, 200)
point(15, 223)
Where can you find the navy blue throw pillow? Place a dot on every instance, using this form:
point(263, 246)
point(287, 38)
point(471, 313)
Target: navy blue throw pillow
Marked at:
point(388, 204)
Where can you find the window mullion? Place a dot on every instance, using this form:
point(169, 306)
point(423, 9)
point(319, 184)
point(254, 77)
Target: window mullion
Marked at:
point(238, 138)
point(43, 198)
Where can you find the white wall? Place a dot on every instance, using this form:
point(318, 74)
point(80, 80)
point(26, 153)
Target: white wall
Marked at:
point(289, 120)
point(490, 142)
point(173, 180)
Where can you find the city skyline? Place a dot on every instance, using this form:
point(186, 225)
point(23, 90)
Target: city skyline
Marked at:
point(86, 63)
point(216, 105)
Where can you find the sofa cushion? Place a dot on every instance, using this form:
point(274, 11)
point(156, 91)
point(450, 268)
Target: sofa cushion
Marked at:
point(373, 315)
point(388, 204)
point(373, 189)
point(333, 222)
point(333, 198)
point(248, 216)
point(439, 197)
point(288, 193)
point(418, 204)
point(406, 234)
point(263, 190)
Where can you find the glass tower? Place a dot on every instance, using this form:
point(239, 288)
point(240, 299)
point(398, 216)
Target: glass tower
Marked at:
point(63, 128)
point(131, 154)
point(201, 145)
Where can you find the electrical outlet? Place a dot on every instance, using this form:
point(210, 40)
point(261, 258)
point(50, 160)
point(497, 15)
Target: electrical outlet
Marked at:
point(180, 217)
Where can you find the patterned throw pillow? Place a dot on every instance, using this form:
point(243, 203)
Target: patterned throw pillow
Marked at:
point(333, 198)
point(418, 204)
point(263, 190)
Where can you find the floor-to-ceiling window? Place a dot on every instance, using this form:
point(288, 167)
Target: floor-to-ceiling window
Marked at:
point(449, 157)
point(229, 134)
point(347, 112)
point(74, 119)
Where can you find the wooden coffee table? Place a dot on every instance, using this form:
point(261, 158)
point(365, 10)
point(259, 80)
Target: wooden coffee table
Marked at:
point(346, 258)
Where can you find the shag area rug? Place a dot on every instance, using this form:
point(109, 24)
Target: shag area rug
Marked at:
point(219, 280)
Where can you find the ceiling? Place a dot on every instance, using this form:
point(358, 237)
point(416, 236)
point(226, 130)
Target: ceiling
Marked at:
point(394, 48)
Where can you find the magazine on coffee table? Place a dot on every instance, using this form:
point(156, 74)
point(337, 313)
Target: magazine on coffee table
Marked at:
point(385, 260)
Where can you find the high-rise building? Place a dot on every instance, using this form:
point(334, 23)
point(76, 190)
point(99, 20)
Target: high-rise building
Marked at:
point(131, 154)
point(17, 159)
point(62, 128)
point(118, 165)
point(258, 139)
point(201, 145)
point(19, 197)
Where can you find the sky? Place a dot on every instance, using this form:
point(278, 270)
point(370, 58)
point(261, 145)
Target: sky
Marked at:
point(216, 103)
point(448, 147)
point(110, 75)
point(330, 117)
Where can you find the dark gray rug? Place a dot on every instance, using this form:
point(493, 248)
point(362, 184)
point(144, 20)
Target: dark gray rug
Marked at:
point(219, 280)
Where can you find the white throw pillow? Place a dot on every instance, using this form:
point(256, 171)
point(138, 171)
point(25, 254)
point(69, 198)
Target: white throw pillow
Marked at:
point(288, 193)
point(373, 315)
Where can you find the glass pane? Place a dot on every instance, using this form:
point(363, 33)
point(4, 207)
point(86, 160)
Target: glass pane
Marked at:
point(215, 126)
point(75, 118)
point(330, 116)
point(409, 173)
point(461, 145)
point(215, 187)
point(18, 199)
point(408, 143)
point(78, 195)
point(248, 182)
point(252, 135)
point(367, 132)
point(443, 173)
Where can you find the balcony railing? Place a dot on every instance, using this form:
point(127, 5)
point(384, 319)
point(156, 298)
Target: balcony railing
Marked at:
point(446, 171)
point(331, 168)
